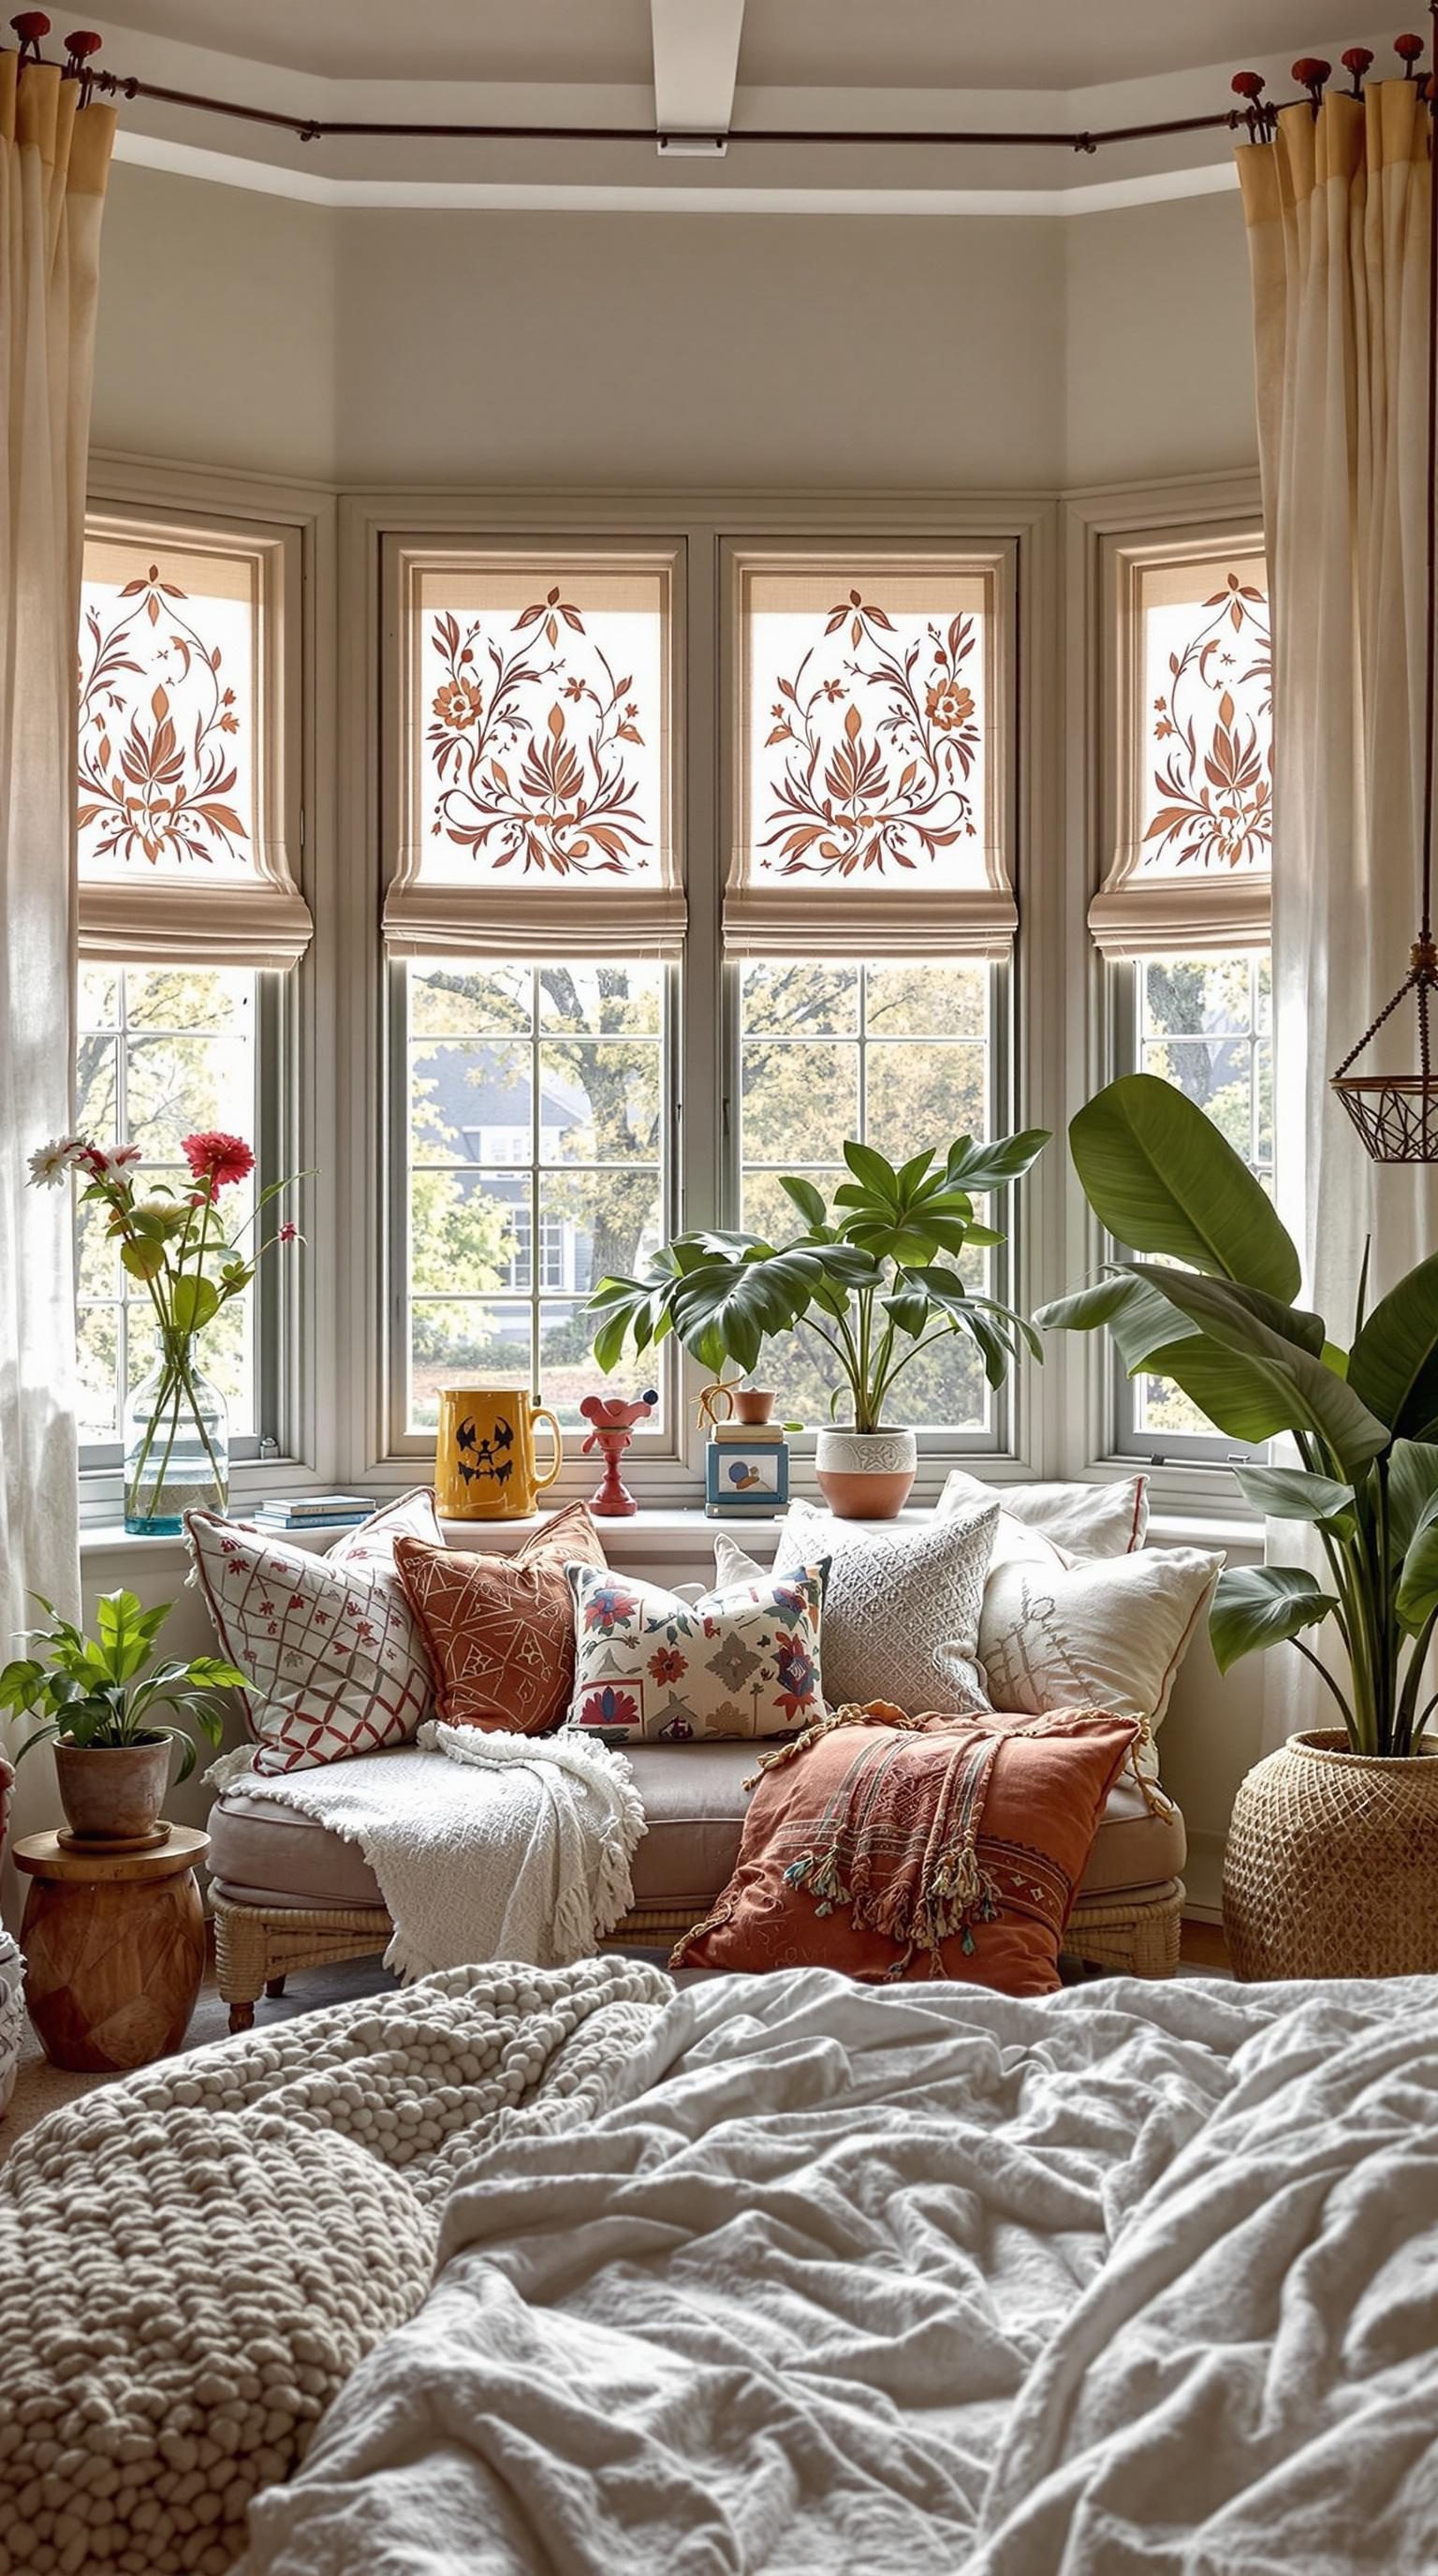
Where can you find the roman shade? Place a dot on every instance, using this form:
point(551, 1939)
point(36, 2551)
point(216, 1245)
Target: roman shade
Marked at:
point(870, 727)
point(532, 806)
point(1190, 731)
point(187, 717)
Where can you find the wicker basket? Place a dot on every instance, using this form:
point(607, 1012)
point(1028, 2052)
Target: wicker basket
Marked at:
point(1331, 1868)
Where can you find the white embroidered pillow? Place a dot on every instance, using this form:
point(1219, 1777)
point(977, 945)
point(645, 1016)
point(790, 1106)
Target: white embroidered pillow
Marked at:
point(1110, 1634)
point(331, 1648)
point(901, 1606)
point(1082, 1520)
point(651, 1668)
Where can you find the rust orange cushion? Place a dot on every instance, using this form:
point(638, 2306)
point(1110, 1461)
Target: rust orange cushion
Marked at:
point(801, 1896)
point(500, 1629)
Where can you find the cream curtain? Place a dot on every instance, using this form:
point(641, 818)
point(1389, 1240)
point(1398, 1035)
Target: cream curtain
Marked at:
point(53, 163)
point(1337, 213)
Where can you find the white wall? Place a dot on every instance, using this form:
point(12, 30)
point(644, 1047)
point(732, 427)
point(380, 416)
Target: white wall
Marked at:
point(887, 351)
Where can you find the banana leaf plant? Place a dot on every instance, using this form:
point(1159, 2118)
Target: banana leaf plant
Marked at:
point(873, 1274)
point(91, 1692)
point(1214, 1306)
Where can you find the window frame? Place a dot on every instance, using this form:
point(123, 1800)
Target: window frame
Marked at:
point(705, 1012)
point(1104, 533)
point(296, 1363)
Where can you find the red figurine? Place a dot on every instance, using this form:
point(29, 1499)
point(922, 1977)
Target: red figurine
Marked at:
point(614, 1421)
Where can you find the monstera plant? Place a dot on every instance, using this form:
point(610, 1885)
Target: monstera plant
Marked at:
point(1212, 1303)
point(873, 1274)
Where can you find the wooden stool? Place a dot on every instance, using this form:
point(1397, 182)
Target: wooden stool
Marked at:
point(114, 1948)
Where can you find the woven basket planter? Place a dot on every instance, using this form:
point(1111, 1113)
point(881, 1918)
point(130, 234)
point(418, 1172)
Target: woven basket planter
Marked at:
point(1331, 1868)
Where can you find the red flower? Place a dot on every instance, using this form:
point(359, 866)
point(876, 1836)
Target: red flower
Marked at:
point(215, 1157)
point(666, 1665)
point(287, 1232)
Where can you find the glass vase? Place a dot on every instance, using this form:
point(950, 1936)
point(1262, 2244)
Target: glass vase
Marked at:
point(177, 1444)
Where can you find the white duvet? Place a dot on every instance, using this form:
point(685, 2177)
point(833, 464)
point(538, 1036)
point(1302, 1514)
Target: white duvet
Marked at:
point(1134, 2279)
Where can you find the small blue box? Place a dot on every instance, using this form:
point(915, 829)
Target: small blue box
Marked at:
point(746, 1476)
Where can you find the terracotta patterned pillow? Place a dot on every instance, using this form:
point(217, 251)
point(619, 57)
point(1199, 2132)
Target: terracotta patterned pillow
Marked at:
point(334, 1659)
point(500, 1629)
point(650, 1667)
point(944, 1847)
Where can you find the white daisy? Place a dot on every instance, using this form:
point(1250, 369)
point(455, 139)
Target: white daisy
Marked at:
point(50, 1167)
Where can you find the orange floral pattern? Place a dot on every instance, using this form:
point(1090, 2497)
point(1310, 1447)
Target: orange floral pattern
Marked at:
point(880, 736)
point(526, 746)
point(1215, 784)
point(161, 733)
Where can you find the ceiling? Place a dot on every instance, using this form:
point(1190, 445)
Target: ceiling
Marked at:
point(717, 72)
point(787, 44)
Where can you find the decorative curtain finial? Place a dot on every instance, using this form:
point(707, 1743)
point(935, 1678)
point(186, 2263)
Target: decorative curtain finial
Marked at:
point(80, 50)
point(1310, 71)
point(32, 27)
point(1409, 50)
point(1357, 60)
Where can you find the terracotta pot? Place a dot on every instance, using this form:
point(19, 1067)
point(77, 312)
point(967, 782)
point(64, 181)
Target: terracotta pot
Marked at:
point(866, 1475)
point(1331, 1867)
point(753, 1403)
point(112, 1792)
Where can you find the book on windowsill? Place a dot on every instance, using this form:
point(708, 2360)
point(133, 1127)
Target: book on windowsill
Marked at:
point(294, 1509)
point(747, 1435)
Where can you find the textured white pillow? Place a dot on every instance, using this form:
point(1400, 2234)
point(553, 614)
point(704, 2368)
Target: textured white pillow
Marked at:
point(901, 1608)
point(1110, 1634)
point(329, 1644)
point(1083, 1520)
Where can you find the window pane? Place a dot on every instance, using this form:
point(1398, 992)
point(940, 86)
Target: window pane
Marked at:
point(180, 1053)
point(1204, 1024)
point(537, 1165)
point(1207, 778)
point(804, 1097)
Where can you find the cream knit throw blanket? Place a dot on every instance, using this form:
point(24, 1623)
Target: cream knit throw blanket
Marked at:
point(511, 1848)
point(193, 2260)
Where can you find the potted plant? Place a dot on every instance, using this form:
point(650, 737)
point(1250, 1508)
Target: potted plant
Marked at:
point(875, 1277)
point(102, 1708)
point(1333, 1849)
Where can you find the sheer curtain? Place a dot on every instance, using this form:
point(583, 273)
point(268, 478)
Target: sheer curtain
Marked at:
point(1337, 213)
point(54, 156)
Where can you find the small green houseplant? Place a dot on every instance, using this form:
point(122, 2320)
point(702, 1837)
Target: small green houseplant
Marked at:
point(874, 1274)
point(105, 1711)
point(1216, 1311)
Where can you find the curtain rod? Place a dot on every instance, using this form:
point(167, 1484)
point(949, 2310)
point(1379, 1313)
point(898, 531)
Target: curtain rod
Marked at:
point(1257, 114)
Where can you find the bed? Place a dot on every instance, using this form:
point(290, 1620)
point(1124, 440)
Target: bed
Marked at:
point(1130, 2279)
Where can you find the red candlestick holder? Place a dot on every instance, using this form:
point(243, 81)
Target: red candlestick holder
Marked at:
point(614, 1419)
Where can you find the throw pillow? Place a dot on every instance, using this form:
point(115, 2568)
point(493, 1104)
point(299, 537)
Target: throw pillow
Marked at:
point(1083, 1520)
point(901, 1606)
point(329, 1645)
point(500, 1629)
point(1110, 1634)
point(650, 1668)
point(920, 1848)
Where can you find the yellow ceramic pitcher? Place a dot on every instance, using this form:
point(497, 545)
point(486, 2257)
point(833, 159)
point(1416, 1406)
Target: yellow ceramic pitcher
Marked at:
point(484, 1459)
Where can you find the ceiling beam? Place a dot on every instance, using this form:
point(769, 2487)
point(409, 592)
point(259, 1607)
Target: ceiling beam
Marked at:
point(696, 62)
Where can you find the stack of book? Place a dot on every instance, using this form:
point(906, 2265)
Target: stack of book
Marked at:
point(314, 1511)
point(746, 1468)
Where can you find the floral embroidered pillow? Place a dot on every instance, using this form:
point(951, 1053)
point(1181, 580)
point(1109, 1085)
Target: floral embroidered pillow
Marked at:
point(333, 1653)
point(652, 1668)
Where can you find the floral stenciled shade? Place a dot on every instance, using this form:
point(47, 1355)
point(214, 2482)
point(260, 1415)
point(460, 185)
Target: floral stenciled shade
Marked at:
point(536, 795)
point(1195, 767)
point(870, 731)
point(179, 821)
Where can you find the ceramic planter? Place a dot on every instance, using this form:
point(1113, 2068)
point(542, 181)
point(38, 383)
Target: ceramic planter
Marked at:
point(866, 1475)
point(112, 1792)
point(1331, 1868)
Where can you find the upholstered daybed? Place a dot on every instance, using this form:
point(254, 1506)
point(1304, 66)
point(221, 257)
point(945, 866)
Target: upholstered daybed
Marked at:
point(290, 1895)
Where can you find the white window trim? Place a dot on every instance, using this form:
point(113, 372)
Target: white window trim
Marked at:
point(308, 1368)
point(1098, 525)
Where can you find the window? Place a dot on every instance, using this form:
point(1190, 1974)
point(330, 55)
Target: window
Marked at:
point(1183, 913)
point(898, 1056)
point(535, 1115)
point(189, 916)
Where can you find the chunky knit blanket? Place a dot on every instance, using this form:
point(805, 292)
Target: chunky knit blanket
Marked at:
point(193, 2260)
point(507, 1847)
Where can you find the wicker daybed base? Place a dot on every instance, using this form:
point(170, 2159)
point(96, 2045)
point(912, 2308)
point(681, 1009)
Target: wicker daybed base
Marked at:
point(258, 1946)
